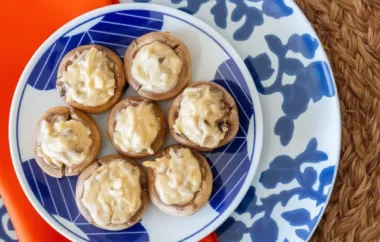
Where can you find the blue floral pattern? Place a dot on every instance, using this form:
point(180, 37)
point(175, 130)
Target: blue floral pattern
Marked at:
point(252, 16)
point(283, 169)
point(311, 84)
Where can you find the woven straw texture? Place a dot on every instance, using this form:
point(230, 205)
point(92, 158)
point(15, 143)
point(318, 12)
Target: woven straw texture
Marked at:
point(350, 33)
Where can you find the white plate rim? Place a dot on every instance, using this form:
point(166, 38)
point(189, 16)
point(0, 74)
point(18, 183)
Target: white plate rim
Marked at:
point(339, 131)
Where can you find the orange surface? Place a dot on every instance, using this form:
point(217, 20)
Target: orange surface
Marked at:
point(210, 238)
point(24, 25)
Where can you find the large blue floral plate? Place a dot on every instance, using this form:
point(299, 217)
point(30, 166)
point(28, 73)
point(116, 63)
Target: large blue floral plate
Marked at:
point(301, 147)
point(214, 59)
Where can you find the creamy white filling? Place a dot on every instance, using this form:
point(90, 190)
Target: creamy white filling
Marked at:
point(63, 142)
point(200, 115)
point(112, 194)
point(178, 176)
point(90, 79)
point(156, 67)
point(136, 128)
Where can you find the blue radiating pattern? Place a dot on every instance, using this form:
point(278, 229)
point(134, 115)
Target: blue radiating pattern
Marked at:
point(230, 163)
point(312, 82)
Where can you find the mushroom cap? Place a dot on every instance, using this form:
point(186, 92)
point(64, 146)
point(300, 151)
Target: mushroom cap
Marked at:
point(51, 115)
point(159, 140)
point(118, 71)
point(89, 171)
point(201, 197)
point(179, 48)
point(232, 121)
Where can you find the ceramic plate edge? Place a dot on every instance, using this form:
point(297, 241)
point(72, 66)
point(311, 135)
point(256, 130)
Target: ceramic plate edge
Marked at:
point(125, 6)
point(339, 132)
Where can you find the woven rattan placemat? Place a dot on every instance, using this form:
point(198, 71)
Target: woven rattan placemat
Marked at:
point(350, 33)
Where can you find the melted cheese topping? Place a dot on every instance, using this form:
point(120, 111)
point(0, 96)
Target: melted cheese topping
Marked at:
point(90, 79)
point(136, 128)
point(201, 117)
point(178, 176)
point(156, 67)
point(64, 142)
point(112, 194)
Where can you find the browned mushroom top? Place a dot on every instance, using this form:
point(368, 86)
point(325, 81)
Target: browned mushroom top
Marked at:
point(136, 127)
point(202, 116)
point(112, 194)
point(63, 141)
point(178, 176)
point(156, 67)
point(89, 79)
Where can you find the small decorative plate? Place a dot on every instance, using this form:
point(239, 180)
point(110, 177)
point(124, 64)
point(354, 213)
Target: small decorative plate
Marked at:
point(301, 146)
point(116, 26)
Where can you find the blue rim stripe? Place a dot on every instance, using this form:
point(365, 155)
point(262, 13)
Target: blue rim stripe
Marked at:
point(56, 65)
point(51, 195)
point(226, 180)
point(233, 189)
point(129, 25)
point(46, 61)
point(64, 200)
point(245, 94)
point(35, 182)
point(137, 16)
point(220, 156)
point(232, 158)
point(112, 33)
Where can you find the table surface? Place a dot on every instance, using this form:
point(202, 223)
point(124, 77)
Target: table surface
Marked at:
point(350, 33)
point(15, 56)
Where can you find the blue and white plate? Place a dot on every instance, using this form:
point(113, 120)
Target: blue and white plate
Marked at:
point(213, 59)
